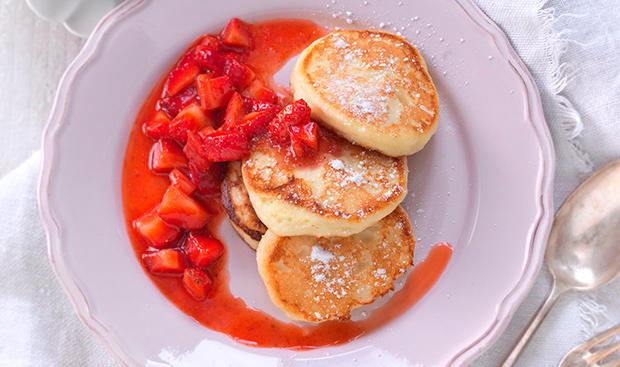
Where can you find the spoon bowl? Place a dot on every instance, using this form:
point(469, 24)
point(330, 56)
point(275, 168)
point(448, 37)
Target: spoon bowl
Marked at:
point(583, 250)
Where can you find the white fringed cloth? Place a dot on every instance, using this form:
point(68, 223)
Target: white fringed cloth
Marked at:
point(571, 47)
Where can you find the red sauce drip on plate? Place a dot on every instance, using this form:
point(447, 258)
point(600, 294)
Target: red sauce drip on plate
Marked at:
point(275, 42)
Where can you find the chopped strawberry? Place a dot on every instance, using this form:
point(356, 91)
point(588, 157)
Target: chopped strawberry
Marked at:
point(197, 283)
point(235, 110)
point(212, 42)
point(158, 233)
point(166, 154)
point(207, 181)
point(158, 126)
point(202, 250)
point(240, 75)
point(210, 58)
point(173, 104)
point(214, 92)
point(253, 105)
point(232, 55)
point(186, 70)
point(164, 262)
point(193, 150)
point(297, 146)
point(307, 133)
point(218, 146)
point(179, 209)
point(258, 90)
point(181, 181)
point(296, 113)
point(236, 34)
point(256, 123)
point(206, 131)
point(225, 146)
point(191, 118)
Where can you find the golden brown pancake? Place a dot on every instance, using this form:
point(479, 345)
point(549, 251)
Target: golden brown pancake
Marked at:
point(318, 279)
point(370, 87)
point(345, 190)
point(238, 207)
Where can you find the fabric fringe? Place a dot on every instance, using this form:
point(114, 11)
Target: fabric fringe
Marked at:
point(556, 43)
point(591, 312)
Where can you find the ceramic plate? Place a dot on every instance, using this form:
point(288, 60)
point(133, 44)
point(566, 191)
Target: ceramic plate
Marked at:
point(483, 183)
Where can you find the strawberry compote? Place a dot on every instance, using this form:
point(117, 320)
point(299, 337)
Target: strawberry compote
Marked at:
point(216, 100)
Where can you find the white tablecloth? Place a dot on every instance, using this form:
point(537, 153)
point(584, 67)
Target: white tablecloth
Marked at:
point(571, 47)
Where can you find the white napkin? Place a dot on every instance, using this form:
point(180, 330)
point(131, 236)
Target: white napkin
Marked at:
point(37, 324)
point(571, 49)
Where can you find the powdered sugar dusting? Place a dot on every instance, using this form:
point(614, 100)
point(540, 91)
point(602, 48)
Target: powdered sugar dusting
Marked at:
point(351, 182)
point(336, 164)
point(349, 175)
point(339, 274)
point(358, 179)
point(376, 80)
point(320, 254)
point(363, 98)
point(340, 43)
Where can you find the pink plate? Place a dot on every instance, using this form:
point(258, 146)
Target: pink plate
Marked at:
point(483, 183)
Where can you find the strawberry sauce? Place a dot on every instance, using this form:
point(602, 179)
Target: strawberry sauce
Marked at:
point(274, 42)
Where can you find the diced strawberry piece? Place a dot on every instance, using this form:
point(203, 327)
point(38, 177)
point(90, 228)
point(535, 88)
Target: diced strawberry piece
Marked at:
point(267, 95)
point(193, 151)
point(209, 58)
point(296, 144)
point(166, 154)
point(158, 233)
point(235, 110)
point(197, 283)
point(179, 209)
point(236, 34)
point(219, 146)
point(253, 105)
point(186, 70)
point(158, 126)
point(307, 133)
point(207, 181)
point(258, 90)
point(212, 42)
point(256, 123)
point(232, 55)
point(191, 118)
point(202, 250)
point(296, 113)
point(181, 181)
point(164, 262)
point(214, 92)
point(233, 58)
point(206, 131)
point(173, 104)
point(240, 75)
point(225, 146)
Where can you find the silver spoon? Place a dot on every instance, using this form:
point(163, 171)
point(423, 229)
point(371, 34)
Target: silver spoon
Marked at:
point(583, 251)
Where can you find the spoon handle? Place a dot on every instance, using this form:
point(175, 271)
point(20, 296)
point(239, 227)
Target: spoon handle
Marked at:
point(524, 339)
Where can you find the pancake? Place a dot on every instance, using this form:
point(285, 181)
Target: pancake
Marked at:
point(370, 87)
point(318, 279)
point(238, 207)
point(345, 190)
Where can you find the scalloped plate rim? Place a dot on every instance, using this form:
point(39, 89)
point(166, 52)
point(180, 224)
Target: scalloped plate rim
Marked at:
point(505, 310)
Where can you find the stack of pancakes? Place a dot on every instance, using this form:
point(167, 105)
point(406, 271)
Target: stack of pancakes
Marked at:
point(331, 237)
